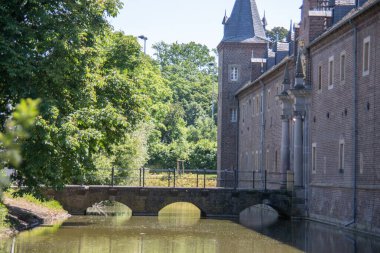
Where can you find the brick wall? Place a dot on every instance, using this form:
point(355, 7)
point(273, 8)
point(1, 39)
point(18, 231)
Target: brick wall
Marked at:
point(233, 55)
point(332, 190)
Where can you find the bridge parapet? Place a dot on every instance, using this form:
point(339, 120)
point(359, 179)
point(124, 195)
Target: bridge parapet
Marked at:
point(213, 202)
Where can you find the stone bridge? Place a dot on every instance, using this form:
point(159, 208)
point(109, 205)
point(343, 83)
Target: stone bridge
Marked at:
point(213, 202)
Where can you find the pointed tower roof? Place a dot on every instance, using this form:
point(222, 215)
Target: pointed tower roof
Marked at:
point(265, 22)
point(299, 83)
point(245, 24)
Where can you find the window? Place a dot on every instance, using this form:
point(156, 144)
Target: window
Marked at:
point(258, 105)
point(261, 103)
point(253, 107)
point(366, 56)
point(341, 155)
point(257, 161)
point(267, 161)
point(361, 163)
point(234, 73)
point(331, 72)
point(314, 158)
point(276, 161)
point(343, 67)
point(234, 115)
point(320, 77)
point(268, 100)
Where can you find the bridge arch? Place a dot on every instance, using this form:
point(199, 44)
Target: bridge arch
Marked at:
point(109, 208)
point(182, 209)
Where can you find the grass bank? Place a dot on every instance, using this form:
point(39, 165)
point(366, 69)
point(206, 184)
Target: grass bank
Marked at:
point(22, 213)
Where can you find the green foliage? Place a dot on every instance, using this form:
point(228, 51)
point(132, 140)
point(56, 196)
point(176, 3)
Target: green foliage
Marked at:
point(190, 71)
point(102, 103)
point(95, 87)
point(279, 32)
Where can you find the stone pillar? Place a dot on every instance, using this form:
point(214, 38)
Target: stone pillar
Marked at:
point(298, 150)
point(284, 150)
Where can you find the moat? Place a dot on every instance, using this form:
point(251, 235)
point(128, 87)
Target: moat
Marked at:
point(180, 230)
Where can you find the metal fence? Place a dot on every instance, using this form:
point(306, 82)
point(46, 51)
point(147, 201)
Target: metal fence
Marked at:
point(201, 178)
point(144, 177)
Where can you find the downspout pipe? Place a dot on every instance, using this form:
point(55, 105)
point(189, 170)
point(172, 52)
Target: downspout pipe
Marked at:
point(262, 131)
point(236, 183)
point(354, 124)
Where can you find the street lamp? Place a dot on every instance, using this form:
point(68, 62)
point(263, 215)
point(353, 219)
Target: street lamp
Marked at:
point(144, 39)
point(211, 64)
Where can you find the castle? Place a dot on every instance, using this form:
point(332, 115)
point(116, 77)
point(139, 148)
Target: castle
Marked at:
point(305, 111)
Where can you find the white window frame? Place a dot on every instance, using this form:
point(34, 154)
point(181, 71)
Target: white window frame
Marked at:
point(342, 67)
point(330, 73)
point(341, 155)
point(314, 158)
point(234, 115)
point(234, 74)
point(366, 63)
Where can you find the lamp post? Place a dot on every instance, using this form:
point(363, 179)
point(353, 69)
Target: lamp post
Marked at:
point(211, 64)
point(144, 39)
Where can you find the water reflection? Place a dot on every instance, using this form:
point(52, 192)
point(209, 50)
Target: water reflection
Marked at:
point(97, 234)
point(258, 216)
point(179, 214)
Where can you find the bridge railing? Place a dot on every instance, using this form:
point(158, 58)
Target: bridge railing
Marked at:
point(263, 180)
point(200, 178)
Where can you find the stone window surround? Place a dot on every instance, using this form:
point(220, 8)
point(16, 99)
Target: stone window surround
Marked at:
point(366, 58)
point(330, 73)
point(234, 115)
point(314, 158)
point(341, 155)
point(319, 77)
point(233, 72)
point(342, 67)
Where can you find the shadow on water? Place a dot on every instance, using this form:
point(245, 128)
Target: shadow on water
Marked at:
point(307, 236)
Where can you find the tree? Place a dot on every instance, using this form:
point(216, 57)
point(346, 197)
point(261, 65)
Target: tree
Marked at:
point(190, 72)
point(93, 84)
point(16, 130)
point(277, 33)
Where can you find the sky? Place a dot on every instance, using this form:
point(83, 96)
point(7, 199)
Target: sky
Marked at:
point(200, 21)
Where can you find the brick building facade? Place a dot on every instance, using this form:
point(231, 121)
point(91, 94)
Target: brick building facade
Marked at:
point(309, 113)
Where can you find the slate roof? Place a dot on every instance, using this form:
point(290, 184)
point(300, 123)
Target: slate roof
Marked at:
point(366, 5)
point(245, 24)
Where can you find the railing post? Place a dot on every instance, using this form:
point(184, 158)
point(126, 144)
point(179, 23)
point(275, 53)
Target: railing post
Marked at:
point(174, 177)
point(112, 177)
point(143, 178)
point(169, 178)
point(140, 178)
point(265, 180)
point(197, 171)
point(204, 178)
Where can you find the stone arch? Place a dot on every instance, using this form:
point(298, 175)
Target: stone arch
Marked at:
point(101, 209)
point(166, 204)
point(258, 215)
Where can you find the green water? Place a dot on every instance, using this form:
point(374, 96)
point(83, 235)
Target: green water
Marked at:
point(178, 230)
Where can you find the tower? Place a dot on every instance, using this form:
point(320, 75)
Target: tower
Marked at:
point(242, 58)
